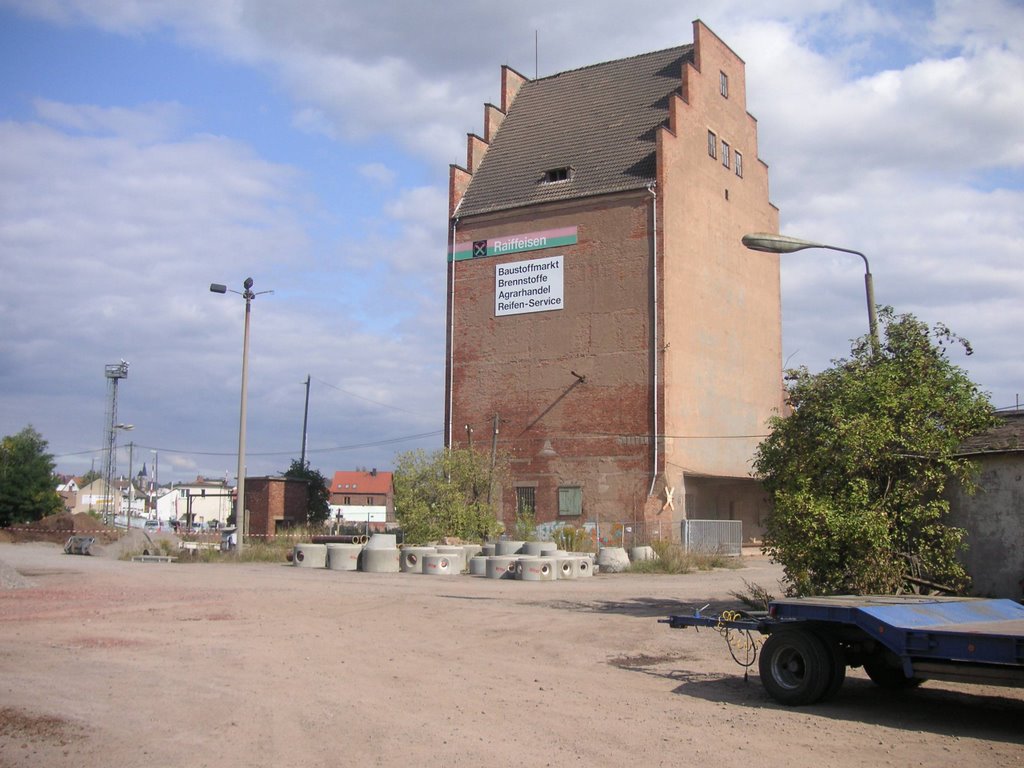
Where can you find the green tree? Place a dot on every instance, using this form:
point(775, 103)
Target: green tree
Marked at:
point(856, 472)
point(27, 488)
point(447, 493)
point(318, 507)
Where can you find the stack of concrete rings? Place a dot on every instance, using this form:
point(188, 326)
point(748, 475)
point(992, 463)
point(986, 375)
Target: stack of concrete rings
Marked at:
point(412, 558)
point(381, 554)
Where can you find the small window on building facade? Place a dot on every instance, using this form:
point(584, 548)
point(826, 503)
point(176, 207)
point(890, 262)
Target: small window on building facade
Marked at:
point(725, 154)
point(739, 164)
point(723, 84)
point(348, 499)
point(712, 144)
point(570, 501)
point(526, 501)
point(555, 175)
point(369, 501)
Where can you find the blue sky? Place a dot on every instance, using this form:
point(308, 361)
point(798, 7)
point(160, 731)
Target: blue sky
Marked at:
point(148, 149)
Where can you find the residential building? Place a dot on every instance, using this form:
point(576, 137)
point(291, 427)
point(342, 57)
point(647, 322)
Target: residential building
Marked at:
point(205, 499)
point(67, 489)
point(93, 497)
point(606, 327)
point(362, 497)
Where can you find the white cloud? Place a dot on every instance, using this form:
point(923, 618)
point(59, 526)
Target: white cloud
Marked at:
point(893, 128)
point(379, 173)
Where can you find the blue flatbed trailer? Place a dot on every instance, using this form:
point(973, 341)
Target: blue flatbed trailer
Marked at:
point(899, 640)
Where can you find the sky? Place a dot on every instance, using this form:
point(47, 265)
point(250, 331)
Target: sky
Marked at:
point(149, 148)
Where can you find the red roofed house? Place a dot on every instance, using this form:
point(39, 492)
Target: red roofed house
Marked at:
point(363, 497)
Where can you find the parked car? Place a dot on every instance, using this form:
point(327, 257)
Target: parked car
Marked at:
point(151, 525)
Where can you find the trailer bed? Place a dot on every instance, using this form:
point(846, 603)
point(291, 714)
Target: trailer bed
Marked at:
point(899, 640)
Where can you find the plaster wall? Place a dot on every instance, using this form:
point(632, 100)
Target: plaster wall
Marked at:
point(721, 302)
point(994, 520)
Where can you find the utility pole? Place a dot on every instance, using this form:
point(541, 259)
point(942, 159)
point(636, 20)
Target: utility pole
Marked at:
point(131, 485)
point(305, 419)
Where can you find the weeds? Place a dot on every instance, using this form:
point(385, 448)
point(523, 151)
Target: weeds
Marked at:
point(755, 596)
point(670, 557)
point(572, 539)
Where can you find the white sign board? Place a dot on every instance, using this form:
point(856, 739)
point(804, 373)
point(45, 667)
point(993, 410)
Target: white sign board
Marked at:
point(528, 286)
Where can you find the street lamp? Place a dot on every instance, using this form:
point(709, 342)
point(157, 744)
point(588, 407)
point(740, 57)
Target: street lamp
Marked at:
point(128, 517)
point(248, 294)
point(769, 243)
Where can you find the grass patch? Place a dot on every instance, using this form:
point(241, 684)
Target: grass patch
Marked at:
point(670, 557)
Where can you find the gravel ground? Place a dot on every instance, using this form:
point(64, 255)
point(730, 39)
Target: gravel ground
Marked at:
point(105, 662)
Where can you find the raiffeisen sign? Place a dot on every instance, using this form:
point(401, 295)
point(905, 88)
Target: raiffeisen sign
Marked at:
point(528, 286)
point(502, 246)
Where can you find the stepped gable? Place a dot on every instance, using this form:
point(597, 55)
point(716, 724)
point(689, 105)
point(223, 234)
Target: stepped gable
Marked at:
point(600, 122)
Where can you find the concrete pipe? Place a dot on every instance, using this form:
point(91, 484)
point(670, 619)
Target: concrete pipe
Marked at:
point(469, 551)
point(532, 548)
point(310, 555)
point(612, 560)
point(382, 541)
point(503, 548)
point(637, 554)
point(536, 569)
point(478, 566)
point(341, 538)
point(568, 567)
point(343, 557)
point(520, 564)
point(487, 550)
point(584, 567)
point(501, 567)
point(379, 560)
point(457, 555)
point(441, 565)
point(412, 558)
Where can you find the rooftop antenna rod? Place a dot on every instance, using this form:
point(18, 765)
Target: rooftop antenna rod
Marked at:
point(536, 53)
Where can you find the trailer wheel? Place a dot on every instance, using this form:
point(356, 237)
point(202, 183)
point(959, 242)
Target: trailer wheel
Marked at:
point(837, 663)
point(885, 671)
point(796, 667)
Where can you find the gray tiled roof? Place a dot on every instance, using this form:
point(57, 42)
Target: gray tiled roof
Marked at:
point(1006, 437)
point(600, 121)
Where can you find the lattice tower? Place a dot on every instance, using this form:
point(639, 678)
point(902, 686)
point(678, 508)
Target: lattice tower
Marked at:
point(114, 373)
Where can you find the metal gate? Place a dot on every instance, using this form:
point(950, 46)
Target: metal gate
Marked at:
point(720, 537)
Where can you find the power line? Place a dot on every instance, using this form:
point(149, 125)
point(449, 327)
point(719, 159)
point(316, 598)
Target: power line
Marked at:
point(360, 397)
point(352, 447)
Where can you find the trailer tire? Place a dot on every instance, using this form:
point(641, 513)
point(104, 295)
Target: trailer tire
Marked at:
point(886, 672)
point(837, 663)
point(796, 667)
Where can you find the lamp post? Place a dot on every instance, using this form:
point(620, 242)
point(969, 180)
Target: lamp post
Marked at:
point(248, 294)
point(154, 486)
point(128, 517)
point(769, 243)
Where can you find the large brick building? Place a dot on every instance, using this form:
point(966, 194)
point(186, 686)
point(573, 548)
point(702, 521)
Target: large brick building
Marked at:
point(604, 319)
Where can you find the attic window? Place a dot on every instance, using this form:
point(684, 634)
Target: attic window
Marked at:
point(555, 175)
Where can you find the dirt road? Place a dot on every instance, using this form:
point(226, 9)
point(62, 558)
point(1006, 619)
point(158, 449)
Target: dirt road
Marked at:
point(110, 663)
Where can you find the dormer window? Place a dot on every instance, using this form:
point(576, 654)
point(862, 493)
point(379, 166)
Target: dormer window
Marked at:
point(555, 175)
